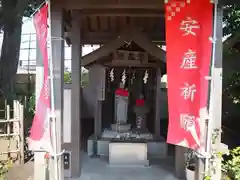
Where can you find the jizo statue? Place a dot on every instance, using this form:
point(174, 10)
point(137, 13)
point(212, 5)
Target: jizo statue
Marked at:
point(121, 105)
point(141, 110)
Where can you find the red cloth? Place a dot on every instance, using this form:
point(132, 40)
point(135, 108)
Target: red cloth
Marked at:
point(38, 126)
point(122, 92)
point(140, 102)
point(188, 28)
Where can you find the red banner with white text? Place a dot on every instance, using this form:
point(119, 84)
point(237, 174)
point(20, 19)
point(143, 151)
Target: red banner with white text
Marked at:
point(189, 26)
point(40, 132)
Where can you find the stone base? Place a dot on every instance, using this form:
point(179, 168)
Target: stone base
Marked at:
point(156, 149)
point(110, 134)
point(121, 128)
point(128, 154)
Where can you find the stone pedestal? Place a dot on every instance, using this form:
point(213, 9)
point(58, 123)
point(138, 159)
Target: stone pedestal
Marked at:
point(121, 127)
point(156, 149)
point(128, 154)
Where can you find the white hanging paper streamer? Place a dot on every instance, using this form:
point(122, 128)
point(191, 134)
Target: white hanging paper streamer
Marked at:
point(112, 75)
point(124, 77)
point(145, 78)
point(133, 77)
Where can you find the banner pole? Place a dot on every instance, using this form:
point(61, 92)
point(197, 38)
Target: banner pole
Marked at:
point(53, 117)
point(211, 99)
point(203, 162)
point(216, 90)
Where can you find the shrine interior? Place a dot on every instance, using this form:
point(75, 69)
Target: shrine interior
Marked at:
point(128, 79)
point(125, 95)
point(136, 88)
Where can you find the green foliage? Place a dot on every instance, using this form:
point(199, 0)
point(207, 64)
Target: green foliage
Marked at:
point(214, 156)
point(3, 171)
point(4, 167)
point(84, 78)
point(207, 178)
point(232, 89)
point(67, 78)
point(231, 19)
point(191, 160)
point(232, 166)
point(31, 7)
point(12, 10)
point(31, 104)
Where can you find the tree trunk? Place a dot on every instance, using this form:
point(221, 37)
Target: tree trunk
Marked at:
point(10, 57)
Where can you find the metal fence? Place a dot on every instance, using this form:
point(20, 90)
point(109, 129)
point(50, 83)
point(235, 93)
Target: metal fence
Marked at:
point(12, 133)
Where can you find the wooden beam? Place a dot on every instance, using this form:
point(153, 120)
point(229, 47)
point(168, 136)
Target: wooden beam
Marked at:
point(104, 51)
point(129, 64)
point(133, 56)
point(150, 4)
point(129, 34)
point(111, 4)
point(126, 62)
point(144, 42)
point(105, 37)
point(124, 12)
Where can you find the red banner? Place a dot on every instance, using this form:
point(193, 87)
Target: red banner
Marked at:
point(40, 132)
point(189, 25)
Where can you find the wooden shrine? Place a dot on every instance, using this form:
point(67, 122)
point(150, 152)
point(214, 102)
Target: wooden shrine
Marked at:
point(131, 34)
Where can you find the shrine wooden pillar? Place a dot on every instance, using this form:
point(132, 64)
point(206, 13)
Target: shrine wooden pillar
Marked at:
point(217, 90)
point(179, 158)
point(72, 118)
point(158, 104)
point(75, 145)
point(57, 54)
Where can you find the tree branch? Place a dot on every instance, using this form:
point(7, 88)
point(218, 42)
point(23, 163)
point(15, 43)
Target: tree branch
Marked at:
point(22, 5)
point(231, 41)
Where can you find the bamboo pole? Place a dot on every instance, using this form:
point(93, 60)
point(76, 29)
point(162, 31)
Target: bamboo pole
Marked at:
point(8, 129)
point(10, 120)
point(14, 130)
point(5, 108)
point(9, 135)
point(21, 131)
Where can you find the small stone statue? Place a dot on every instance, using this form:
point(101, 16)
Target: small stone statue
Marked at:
point(121, 105)
point(141, 110)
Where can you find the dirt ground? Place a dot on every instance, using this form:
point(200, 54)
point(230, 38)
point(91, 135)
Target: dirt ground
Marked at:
point(21, 172)
point(17, 172)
